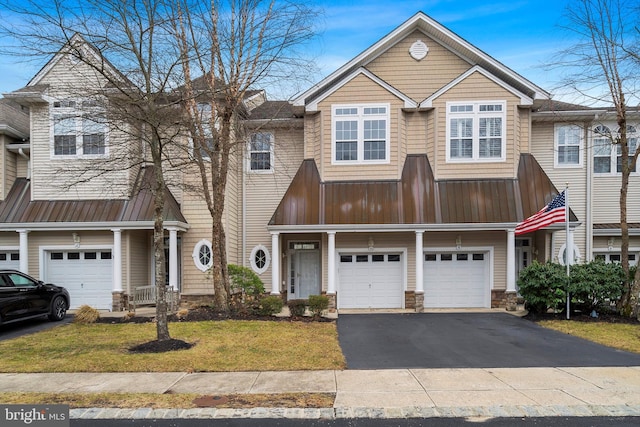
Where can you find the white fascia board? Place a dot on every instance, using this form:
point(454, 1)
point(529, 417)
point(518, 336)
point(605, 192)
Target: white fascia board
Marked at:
point(391, 228)
point(90, 226)
point(408, 102)
point(524, 99)
point(12, 132)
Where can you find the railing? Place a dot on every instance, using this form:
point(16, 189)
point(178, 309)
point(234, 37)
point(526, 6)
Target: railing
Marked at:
point(146, 295)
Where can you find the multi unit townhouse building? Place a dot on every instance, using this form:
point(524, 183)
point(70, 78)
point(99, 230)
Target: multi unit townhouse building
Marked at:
point(395, 182)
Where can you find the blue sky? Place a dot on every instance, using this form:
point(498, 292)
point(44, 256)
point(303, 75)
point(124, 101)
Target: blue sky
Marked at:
point(521, 34)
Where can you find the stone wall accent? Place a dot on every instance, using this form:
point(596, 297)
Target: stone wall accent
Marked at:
point(332, 302)
point(419, 306)
point(409, 299)
point(119, 301)
point(192, 301)
point(512, 301)
point(498, 298)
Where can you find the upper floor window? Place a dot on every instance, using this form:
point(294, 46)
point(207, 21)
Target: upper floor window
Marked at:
point(261, 152)
point(360, 133)
point(476, 131)
point(607, 156)
point(205, 118)
point(79, 128)
point(568, 146)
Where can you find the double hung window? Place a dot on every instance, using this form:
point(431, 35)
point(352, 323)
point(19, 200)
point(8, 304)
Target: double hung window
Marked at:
point(476, 131)
point(360, 133)
point(607, 155)
point(568, 144)
point(261, 152)
point(79, 129)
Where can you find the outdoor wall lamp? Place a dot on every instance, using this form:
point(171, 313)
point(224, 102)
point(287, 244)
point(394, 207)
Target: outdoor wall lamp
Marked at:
point(370, 243)
point(610, 243)
point(76, 240)
point(458, 241)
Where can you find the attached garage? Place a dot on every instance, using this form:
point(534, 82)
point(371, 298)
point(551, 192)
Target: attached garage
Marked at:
point(456, 280)
point(87, 275)
point(370, 280)
point(9, 260)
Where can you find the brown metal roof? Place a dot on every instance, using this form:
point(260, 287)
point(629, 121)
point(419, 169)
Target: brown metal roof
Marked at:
point(17, 208)
point(417, 198)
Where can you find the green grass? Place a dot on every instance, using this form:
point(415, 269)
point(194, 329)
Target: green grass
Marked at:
point(617, 335)
point(220, 346)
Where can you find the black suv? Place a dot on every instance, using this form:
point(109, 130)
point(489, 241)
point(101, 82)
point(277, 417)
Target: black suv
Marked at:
point(23, 297)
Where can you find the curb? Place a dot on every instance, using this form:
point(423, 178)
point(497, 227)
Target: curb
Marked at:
point(370, 413)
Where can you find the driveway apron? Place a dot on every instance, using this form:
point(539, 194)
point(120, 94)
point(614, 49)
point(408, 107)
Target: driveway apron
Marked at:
point(465, 340)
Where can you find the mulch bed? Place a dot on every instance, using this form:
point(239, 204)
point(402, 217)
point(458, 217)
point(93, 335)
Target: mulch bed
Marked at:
point(161, 346)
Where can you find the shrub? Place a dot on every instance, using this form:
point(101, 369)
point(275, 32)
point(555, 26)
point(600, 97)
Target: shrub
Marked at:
point(595, 283)
point(297, 307)
point(86, 314)
point(268, 306)
point(246, 288)
point(543, 286)
point(317, 304)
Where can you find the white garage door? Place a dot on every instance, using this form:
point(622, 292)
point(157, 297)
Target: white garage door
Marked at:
point(370, 281)
point(87, 275)
point(453, 280)
point(9, 260)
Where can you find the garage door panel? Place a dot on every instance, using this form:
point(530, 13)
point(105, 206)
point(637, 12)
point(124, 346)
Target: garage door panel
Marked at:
point(370, 281)
point(454, 280)
point(9, 260)
point(87, 275)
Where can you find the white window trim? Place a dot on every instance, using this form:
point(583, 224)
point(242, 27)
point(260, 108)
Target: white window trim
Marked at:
point(556, 151)
point(607, 253)
point(613, 154)
point(360, 119)
point(196, 255)
point(77, 114)
point(252, 259)
point(476, 115)
point(271, 154)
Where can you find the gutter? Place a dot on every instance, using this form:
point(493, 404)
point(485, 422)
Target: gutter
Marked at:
point(388, 228)
point(89, 226)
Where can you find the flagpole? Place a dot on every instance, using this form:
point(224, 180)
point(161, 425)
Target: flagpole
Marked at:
point(568, 246)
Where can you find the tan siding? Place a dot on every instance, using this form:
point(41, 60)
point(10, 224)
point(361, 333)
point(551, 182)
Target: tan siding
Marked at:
point(543, 148)
point(360, 90)
point(73, 178)
point(476, 88)
point(606, 198)
point(416, 132)
point(264, 192)
point(139, 244)
point(418, 79)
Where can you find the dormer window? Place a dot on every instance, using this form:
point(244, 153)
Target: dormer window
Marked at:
point(78, 131)
point(476, 131)
point(360, 134)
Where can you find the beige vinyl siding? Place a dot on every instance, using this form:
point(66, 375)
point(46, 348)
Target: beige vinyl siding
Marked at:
point(601, 244)
point(606, 199)
point(487, 239)
point(265, 190)
point(56, 178)
point(476, 87)
point(418, 79)
point(233, 207)
point(139, 246)
point(9, 239)
point(360, 90)
point(543, 149)
point(312, 137)
point(9, 172)
point(415, 128)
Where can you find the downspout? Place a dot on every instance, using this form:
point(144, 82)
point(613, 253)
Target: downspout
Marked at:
point(24, 156)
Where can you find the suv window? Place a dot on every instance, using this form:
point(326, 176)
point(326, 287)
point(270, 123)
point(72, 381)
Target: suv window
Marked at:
point(20, 281)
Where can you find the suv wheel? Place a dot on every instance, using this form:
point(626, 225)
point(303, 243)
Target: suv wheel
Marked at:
point(58, 309)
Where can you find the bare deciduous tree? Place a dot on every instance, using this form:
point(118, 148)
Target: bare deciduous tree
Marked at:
point(232, 46)
point(601, 67)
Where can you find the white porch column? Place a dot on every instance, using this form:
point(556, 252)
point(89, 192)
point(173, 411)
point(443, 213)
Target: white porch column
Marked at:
point(173, 258)
point(24, 251)
point(331, 263)
point(419, 263)
point(511, 261)
point(117, 260)
point(275, 263)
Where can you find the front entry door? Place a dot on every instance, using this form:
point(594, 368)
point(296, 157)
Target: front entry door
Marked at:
point(305, 274)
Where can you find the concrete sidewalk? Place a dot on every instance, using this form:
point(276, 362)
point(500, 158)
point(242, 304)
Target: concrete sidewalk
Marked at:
point(402, 393)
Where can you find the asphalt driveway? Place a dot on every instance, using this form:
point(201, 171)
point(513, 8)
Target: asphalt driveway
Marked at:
point(465, 340)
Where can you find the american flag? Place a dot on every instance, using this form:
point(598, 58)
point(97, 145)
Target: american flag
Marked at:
point(554, 212)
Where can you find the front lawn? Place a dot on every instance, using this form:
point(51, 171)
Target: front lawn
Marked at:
point(623, 336)
point(220, 346)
